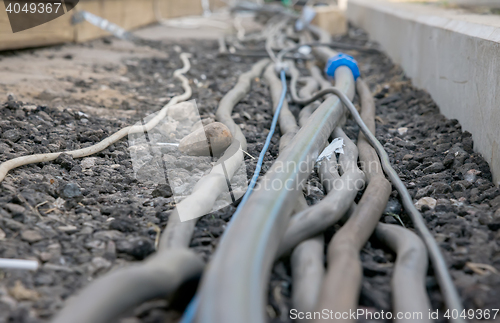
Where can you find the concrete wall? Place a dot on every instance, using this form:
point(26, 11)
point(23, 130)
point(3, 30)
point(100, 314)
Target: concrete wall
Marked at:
point(488, 3)
point(452, 55)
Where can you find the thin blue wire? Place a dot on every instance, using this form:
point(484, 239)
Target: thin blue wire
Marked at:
point(190, 311)
point(193, 305)
point(260, 161)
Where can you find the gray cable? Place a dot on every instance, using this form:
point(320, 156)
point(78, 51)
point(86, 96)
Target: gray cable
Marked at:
point(341, 193)
point(306, 261)
point(408, 279)
point(342, 285)
point(311, 85)
point(307, 274)
point(263, 54)
point(239, 271)
point(308, 110)
point(450, 294)
point(335, 45)
point(114, 293)
point(173, 264)
point(287, 122)
point(232, 97)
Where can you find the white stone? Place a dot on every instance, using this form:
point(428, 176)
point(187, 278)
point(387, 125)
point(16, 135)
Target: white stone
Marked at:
point(402, 131)
point(88, 162)
point(429, 201)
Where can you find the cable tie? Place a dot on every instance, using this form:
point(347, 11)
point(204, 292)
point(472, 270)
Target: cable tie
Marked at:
point(336, 146)
point(281, 66)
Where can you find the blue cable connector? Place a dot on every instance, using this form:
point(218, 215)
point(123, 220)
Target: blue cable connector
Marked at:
point(342, 60)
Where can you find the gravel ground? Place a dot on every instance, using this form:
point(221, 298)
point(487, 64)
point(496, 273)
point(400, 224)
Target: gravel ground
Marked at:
point(84, 217)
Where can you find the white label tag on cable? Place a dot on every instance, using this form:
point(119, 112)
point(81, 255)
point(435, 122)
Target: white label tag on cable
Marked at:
point(336, 146)
point(305, 50)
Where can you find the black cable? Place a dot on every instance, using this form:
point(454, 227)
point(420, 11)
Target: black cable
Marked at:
point(316, 96)
point(264, 55)
point(335, 45)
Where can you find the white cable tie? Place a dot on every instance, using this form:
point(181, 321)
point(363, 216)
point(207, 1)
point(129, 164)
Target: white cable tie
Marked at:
point(304, 50)
point(336, 146)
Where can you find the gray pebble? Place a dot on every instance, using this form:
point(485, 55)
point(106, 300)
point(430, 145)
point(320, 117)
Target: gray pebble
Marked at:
point(108, 235)
point(434, 168)
point(138, 248)
point(12, 135)
point(70, 191)
point(14, 208)
point(31, 236)
point(393, 207)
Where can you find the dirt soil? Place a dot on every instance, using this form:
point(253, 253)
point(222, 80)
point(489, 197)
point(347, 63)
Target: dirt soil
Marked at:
point(84, 217)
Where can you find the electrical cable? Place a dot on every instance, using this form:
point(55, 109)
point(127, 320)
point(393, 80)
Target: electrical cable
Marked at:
point(408, 279)
point(307, 259)
point(8, 165)
point(450, 294)
point(335, 45)
point(262, 154)
point(241, 264)
point(317, 75)
point(308, 110)
point(192, 307)
point(238, 92)
point(262, 54)
point(19, 264)
point(342, 282)
point(259, 226)
point(107, 297)
point(307, 270)
point(287, 122)
point(341, 193)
